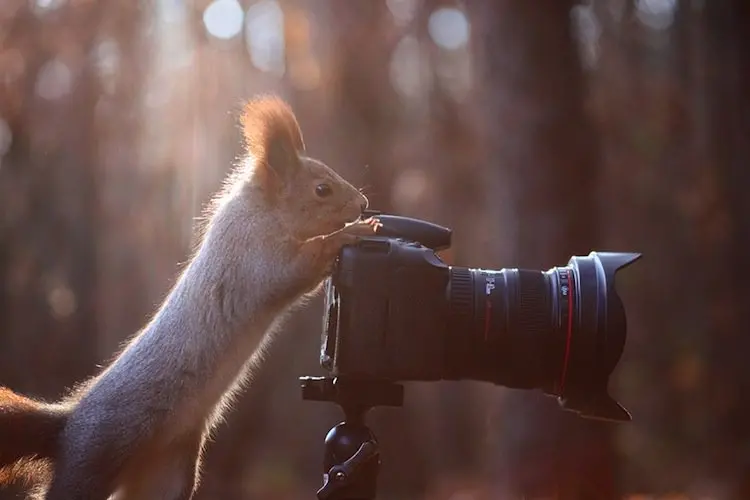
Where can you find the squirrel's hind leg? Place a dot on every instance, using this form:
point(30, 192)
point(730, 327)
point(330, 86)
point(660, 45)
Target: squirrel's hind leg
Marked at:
point(170, 473)
point(82, 480)
point(96, 447)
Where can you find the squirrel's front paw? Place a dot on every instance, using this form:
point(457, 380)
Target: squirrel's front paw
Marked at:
point(322, 250)
point(347, 235)
point(360, 228)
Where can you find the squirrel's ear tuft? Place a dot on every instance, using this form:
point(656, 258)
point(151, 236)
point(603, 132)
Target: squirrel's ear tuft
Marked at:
point(272, 134)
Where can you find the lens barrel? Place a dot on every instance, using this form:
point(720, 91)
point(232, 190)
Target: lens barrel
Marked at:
point(560, 330)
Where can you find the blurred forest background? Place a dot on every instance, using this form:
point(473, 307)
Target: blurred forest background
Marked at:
point(535, 129)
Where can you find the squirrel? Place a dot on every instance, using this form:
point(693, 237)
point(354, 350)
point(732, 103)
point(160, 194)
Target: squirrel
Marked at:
point(138, 429)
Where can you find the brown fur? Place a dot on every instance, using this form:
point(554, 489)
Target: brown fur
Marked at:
point(269, 117)
point(28, 428)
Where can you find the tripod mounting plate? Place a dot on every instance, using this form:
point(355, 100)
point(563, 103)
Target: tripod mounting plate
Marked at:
point(352, 393)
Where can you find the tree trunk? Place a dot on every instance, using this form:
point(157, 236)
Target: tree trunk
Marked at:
point(546, 162)
point(728, 44)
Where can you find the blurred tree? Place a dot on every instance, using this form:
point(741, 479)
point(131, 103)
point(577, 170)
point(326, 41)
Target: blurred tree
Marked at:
point(667, 101)
point(49, 214)
point(362, 95)
point(546, 163)
point(727, 242)
point(450, 173)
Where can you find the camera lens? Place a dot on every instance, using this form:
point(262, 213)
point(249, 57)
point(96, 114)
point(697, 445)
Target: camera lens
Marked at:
point(560, 330)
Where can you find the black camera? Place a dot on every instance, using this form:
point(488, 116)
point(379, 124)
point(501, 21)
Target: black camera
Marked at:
point(395, 312)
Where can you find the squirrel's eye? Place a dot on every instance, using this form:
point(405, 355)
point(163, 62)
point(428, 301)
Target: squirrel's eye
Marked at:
point(323, 190)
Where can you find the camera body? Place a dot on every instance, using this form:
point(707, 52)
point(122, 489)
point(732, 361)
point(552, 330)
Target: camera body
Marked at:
point(385, 303)
point(395, 312)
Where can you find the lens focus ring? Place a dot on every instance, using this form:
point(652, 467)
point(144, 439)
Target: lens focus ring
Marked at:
point(533, 318)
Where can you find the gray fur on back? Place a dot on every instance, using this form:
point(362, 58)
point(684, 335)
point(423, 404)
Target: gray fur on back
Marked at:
point(184, 364)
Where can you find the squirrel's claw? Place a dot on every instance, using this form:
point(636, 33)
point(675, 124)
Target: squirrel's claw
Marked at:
point(366, 227)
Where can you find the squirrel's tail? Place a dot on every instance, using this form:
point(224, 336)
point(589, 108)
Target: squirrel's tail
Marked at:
point(29, 432)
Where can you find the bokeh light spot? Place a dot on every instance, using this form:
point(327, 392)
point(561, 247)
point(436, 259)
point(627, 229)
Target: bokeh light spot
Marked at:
point(588, 31)
point(656, 14)
point(43, 6)
point(448, 28)
point(265, 36)
point(402, 10)
point(62, 302)
point(172, 11)
point(411, 187)
point(405, 67)
point(223, 19)
point(107, 57)
point(54, 80)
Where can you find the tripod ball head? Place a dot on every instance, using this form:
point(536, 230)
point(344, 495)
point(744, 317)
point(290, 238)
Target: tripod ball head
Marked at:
point(351, 463)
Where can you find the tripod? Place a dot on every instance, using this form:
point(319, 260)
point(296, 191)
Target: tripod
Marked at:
point(351, 459)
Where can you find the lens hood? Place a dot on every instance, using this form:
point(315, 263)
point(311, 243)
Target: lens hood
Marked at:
point(601, 314)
